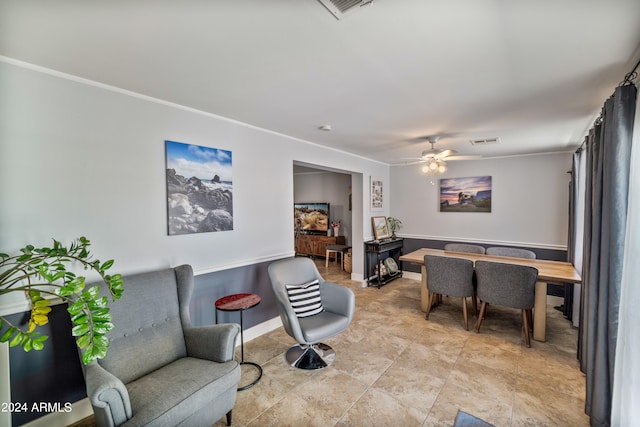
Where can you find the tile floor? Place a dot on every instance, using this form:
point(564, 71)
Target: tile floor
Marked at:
point(394, 368)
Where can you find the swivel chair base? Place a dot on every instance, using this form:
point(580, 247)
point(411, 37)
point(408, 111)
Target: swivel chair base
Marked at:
point(310, 357)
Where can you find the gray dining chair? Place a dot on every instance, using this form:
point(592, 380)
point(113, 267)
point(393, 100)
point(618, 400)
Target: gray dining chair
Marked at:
point(464, 247)
point(508, 285)
point(311, 310)
point(511, 252)
point(452, 277)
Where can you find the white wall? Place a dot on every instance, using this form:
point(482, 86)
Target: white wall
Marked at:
point(529, 202)
point(79, 158)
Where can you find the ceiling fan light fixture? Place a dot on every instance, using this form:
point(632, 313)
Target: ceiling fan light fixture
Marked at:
point(433, 167)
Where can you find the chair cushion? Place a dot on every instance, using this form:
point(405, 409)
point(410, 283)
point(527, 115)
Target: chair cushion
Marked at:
point(148, 332)
point(337, 248)
point(305, 298)
point(174, 392)
point(322, 326)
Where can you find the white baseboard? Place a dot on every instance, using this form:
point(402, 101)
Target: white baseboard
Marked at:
point(261, 329)
point(411, 275)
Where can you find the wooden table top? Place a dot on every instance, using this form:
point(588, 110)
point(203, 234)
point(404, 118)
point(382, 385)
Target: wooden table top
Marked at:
point(548, 271)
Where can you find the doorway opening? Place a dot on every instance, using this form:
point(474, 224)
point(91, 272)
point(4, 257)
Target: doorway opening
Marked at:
point(342, 190)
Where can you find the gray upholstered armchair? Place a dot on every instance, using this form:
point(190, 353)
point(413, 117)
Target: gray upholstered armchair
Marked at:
point(161, 371)
point(310, 318)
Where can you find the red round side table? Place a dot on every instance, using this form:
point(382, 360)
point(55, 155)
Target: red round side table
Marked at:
point(240, 302)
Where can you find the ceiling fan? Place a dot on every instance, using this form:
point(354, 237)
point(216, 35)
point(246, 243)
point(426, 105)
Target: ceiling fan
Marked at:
point(436, 159)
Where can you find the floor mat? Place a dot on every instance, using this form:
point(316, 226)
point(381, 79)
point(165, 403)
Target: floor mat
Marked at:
point(466, 420)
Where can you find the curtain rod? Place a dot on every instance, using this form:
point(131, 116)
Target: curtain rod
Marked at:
point(628, 79)
point(631, 75)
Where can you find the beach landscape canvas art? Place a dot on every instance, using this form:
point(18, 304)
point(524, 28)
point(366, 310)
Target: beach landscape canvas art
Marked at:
point(465, 194)
point(199, 189)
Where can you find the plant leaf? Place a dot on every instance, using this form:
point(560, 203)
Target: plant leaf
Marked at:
point(37, 345)
point(80, 319)
point(76, 307)
point(7, 334)
point(102, 328)
point(16, 340)
point(106, 265)
point(79, 330)
point(83, 341)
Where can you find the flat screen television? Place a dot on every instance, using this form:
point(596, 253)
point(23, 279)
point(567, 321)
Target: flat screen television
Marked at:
point(311, 218)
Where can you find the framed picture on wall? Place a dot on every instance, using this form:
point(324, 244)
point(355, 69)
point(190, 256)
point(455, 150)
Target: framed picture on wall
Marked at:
point(380, 227)
point(199, 189)
point(377, 194)
point(465, 194)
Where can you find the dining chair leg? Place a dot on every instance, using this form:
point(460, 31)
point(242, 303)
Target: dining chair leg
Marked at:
point(525, 324)
point(474, 303)
point(464, 313)
point(483, 307)
point(530, 317)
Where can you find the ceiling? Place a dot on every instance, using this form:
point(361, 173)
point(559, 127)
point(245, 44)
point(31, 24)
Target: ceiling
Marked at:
point(534, 74)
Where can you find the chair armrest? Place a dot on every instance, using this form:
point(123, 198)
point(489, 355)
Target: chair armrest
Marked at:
point(337, 299)
point(108, 396)
point(212, 342)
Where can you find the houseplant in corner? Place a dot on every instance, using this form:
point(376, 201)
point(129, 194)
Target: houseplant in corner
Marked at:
point(44, 273)
point(394, 224)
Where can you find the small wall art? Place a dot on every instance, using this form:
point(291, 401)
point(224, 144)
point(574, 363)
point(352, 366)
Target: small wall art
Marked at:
point(465, 194)
point(377, 194)
point(380, 227)
point(199, 189)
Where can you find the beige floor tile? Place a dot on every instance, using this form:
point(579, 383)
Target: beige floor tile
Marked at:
point(536, 404)
point(378, 409)
point(455, 396)
point(394, 368)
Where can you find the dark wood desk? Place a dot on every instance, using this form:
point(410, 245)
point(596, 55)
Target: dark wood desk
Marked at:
point(557, 272)
point(392, 247)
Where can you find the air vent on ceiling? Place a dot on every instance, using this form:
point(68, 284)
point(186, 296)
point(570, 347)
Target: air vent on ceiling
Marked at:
point(486, 141)
point(339, 8)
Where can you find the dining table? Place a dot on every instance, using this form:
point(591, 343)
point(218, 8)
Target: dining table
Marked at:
point(554, 272)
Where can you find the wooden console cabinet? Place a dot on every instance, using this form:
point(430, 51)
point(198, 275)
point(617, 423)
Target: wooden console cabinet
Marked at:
point(316, 245)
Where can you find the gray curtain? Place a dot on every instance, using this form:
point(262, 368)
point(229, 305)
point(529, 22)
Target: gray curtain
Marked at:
point(575, 241)
point(608, 152)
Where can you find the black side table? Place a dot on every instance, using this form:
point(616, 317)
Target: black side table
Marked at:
point(240, 302)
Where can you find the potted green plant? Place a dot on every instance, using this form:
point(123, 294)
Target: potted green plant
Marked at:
point(45, 272)
point(394, 224)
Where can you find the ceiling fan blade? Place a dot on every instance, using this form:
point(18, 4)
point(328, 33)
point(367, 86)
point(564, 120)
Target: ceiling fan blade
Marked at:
point(446, 153)
point(470, 157)
point(417, 162)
